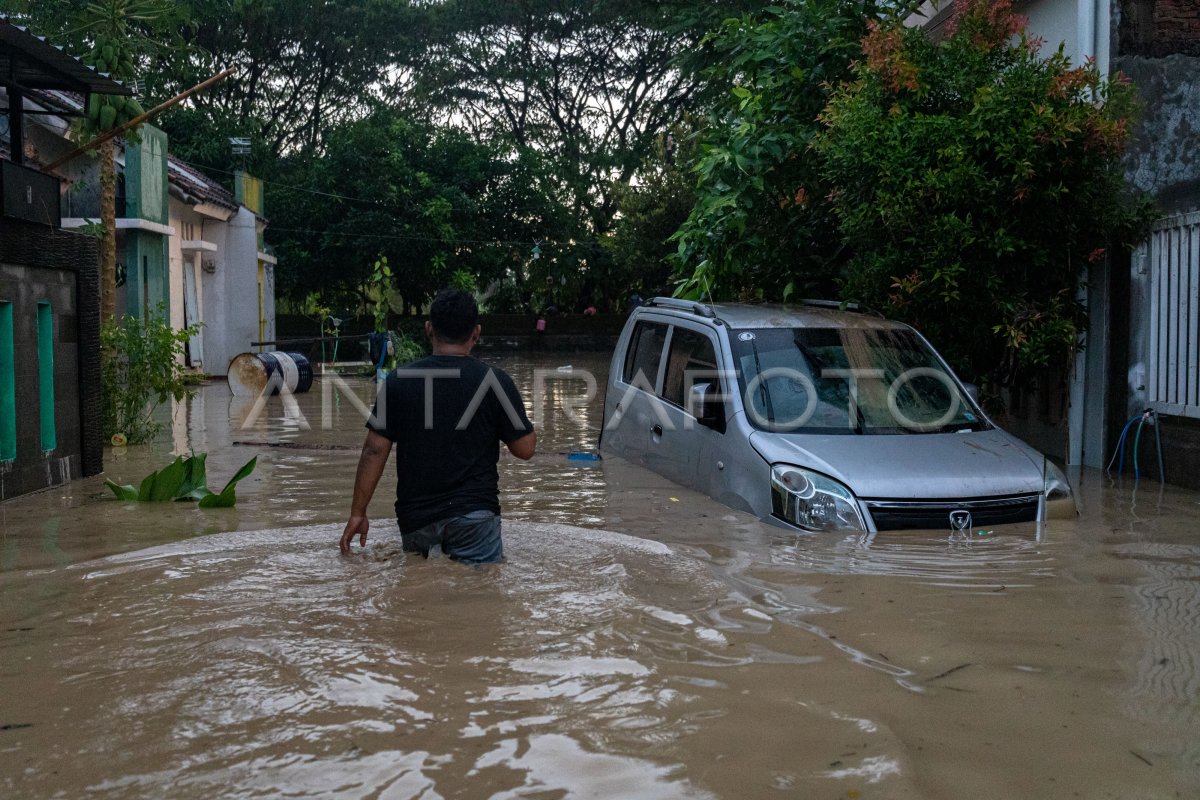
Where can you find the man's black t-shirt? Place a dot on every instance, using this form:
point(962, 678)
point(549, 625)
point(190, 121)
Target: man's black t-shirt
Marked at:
point(447, 416)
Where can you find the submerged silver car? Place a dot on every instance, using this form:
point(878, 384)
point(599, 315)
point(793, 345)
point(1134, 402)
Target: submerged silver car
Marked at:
point(816, 417)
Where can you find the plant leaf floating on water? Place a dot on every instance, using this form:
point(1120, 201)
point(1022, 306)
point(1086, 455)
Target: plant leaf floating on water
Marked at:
point(183, 479)
point(227, 498)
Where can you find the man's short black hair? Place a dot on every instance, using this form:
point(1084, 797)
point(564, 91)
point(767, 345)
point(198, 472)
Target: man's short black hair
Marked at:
point(454, 315)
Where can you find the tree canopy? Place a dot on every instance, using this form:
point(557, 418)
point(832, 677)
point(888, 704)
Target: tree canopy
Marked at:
point(555, 152)
point(761, 227)
point(976, 179)
point(432, 200)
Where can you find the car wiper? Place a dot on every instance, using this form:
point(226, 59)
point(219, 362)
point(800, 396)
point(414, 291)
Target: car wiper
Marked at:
point(762, 385)
point(813, 359)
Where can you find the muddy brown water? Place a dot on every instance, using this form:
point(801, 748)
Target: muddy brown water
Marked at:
point(640, 642)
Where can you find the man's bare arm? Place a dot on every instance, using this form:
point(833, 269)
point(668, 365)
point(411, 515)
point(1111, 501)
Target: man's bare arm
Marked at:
point(523, 448)
point(371, 463)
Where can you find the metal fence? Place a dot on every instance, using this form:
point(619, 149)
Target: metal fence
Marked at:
point(1173, 382)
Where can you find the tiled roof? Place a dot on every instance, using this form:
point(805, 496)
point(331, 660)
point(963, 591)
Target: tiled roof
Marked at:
point(199, 185)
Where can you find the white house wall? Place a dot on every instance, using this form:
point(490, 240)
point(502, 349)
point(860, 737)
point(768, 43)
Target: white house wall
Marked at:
point(191, 227)
point(1081, 25)
point(231, 294)
point(176, 261)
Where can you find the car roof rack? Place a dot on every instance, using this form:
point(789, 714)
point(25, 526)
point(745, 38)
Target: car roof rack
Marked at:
point(838, 304)
point(699, 309)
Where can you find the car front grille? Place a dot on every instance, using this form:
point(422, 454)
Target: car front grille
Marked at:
point(935, 514)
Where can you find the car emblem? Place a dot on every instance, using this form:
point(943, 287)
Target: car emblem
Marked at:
point(960, 519)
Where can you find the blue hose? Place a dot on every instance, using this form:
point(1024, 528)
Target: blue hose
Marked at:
point(1162, 475)
point(1120, 448)
point(1137, 438)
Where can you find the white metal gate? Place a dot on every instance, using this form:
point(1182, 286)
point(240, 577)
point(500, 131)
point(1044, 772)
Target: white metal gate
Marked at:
point(1173, 379)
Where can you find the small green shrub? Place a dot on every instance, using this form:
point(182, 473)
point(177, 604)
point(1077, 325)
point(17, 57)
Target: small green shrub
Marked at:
point(408, 348)
point(141, 367)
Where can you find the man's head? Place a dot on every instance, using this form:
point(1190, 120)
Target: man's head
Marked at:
point(454, 316)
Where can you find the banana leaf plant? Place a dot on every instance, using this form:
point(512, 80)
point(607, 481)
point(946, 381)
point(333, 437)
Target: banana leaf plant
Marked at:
point(183, 479)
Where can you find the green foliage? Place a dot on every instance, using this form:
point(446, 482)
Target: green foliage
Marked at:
point(307, 68)
point(974, 180)
point(120, 34)
point(761, 226)
point(650, 210)
point(526, 122)
point(432, 202)
point(589, 86)
point(462, 279)
point(381, 285)
point(408, 348)
point(182, 479)
point(140, 369)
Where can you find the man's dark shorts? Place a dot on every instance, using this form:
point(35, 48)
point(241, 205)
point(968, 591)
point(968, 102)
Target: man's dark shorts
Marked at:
point(472, 538)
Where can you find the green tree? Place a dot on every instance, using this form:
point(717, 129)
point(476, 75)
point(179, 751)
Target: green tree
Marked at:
point(761, 226)
point(141, 370)
point(649, 211)
point(591, 86)
point(305, 67)
point(431, 201)
point(974, 180)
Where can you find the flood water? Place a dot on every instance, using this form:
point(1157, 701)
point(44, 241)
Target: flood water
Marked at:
point(640, 642)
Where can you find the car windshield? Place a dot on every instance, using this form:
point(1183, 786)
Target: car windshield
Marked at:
point(848, 380)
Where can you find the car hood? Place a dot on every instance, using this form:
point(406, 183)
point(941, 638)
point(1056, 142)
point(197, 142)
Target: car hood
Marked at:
point(913, 466)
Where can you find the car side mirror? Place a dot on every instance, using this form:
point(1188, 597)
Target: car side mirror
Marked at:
point(708, 406)
point(972, 392)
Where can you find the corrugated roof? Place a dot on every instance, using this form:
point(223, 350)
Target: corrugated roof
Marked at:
point(31, 62)
point(182, 175)
point(58, 100)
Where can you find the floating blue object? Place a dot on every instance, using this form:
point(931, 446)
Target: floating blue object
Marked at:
point(583, 456)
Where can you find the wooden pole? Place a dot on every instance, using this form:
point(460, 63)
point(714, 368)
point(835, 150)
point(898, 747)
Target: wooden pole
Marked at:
point(140, 118)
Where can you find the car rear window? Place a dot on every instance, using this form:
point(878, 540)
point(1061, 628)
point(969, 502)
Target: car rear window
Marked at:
point(691, 360)
point(645, 352)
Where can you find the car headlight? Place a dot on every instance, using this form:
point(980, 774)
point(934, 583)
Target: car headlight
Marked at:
point(1056, 485)
point(812, 501)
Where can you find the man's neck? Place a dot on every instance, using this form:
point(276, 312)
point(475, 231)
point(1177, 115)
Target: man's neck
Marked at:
point(442, 349)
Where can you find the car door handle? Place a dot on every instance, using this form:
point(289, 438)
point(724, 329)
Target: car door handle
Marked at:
point(656, 430)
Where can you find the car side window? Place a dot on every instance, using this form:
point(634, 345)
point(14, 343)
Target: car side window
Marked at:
point(691, 360)
point(645, 352)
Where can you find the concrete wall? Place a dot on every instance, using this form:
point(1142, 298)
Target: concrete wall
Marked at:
point(231, 293)
point(1159, 50)
point(186, 265)
point(268, 304)
point(146, 176)
point(147, 280)
point(60, 268)
point(178, 220)
point(1164, 157)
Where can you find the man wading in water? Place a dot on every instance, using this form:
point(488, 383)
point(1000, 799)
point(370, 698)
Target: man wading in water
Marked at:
point(447, 414)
